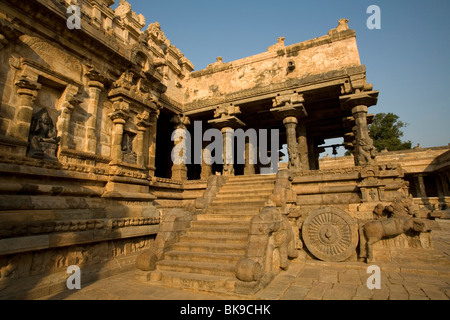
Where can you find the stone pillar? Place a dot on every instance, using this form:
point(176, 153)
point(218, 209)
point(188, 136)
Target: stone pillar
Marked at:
point(95, 89)
point(227, 121)
point(119, 119)
point(228, 161)
point(142, 123)
point(358, 103)
point(206, 168)
point(249, 168)
point(62, 124)
point(445, 187)
point(27, 91)
point(311, 154)
point(317, 151)
point(364, 151)
point(439, 188)
point(291, 132)
point(289, 108)
point(140, 146)
point(152, 143)
point(420, 186)
point(179, 171)
point(303, 149)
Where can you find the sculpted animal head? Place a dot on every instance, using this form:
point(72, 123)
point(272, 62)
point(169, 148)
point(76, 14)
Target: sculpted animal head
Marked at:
point(420, 225)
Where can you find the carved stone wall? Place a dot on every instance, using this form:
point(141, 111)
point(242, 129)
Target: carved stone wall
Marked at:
point(77, 150)
point(27, 275)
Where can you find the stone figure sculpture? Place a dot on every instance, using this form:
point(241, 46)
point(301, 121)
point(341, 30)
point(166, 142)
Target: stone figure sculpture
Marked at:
point(43, 139)
point(391, 221)
point(366, 152)
point(214, 183)
point(269, 232)
point(127, 148)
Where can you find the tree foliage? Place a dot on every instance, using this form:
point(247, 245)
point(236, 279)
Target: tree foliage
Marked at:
point(386, 132)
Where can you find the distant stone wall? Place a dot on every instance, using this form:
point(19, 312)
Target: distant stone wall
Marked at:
point(427, 171)
point(415, 160)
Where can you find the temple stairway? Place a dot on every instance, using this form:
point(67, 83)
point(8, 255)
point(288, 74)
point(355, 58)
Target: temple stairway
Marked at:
point(206, 256)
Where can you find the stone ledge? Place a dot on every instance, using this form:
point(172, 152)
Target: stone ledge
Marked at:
point(33, 243)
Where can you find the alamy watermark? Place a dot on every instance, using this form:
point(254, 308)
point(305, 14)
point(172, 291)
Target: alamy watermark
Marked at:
point(374, 21)
point(74, 20)
point(374, 280)
point(74, 281)
point(186, 152)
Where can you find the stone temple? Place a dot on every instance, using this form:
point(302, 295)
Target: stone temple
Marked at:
point(87, 177)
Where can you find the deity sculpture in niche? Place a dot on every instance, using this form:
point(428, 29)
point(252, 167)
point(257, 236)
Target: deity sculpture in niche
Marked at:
point(129, 155)
point(43, 139)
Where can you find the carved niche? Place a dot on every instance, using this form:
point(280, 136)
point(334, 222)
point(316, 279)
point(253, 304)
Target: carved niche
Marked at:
point(129, 155)
point(43, 138)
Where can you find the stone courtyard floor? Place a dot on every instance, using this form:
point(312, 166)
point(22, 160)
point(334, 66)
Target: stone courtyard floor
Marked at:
point(428, 279)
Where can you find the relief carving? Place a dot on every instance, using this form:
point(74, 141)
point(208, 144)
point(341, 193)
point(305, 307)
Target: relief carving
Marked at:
point(366, 152)
point(127, 147)
point(390, 221)
point(43, 138)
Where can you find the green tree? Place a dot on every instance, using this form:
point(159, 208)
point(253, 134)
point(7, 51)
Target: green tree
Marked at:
point(386, 132)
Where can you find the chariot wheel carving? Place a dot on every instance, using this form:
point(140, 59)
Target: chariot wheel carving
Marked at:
point(330, 234)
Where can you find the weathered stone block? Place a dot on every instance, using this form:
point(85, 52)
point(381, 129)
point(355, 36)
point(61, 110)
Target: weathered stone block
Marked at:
point(7, 111)
point(24, 114)
point(22, 244)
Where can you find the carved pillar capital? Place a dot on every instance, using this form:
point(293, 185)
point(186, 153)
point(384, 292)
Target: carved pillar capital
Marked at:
point(143, 121)
point(288, 105)
point(180, 121)
point(119, 117)
point(121, 111)
point(27, 87)
point(364, 98)
point(96, 80)
point(290, 120)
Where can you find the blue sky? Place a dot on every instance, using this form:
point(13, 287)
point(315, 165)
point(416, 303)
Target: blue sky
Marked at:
point(407, 60)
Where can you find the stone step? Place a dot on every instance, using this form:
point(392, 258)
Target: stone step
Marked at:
point(198, 282)
point(239, 238)
point(232, 248)
point(236, 204)
point(242, 185)
point(242, 202)
point(218, 223)
point(241, 197)
point(211, 230)
point(206, 257)
point(239, 210)
point(218, 269)
point(231, 217)
point(257, 190)
point(251, 177)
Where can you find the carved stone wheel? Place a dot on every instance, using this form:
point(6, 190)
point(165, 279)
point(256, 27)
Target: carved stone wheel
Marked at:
point(330, 234)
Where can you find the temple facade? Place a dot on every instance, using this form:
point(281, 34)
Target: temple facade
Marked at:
point(87, 114)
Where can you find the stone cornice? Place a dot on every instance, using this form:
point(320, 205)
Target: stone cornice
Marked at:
point(289, 51)
point(329, 78)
